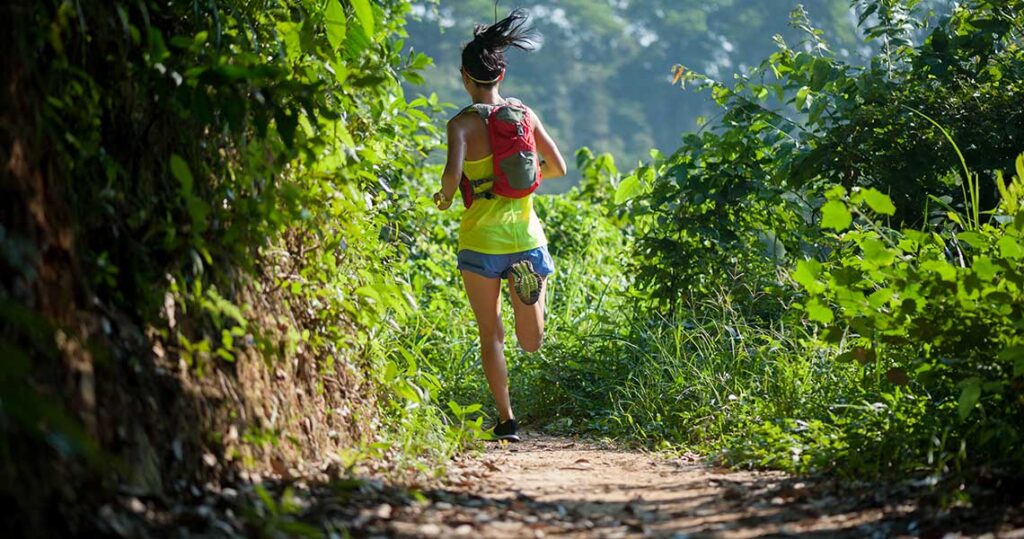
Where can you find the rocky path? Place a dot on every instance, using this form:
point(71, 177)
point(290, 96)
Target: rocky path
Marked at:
point(557, 487)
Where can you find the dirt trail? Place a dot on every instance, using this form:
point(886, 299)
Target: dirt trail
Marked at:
point(557, 487)
point(575, 489)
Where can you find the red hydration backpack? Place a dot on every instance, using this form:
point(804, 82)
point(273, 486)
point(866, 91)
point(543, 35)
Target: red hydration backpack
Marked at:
point(516, 164)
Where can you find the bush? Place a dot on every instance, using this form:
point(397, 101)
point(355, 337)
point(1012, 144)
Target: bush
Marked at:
point(932, 313)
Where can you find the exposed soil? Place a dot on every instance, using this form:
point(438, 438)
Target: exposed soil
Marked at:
point(557, 487)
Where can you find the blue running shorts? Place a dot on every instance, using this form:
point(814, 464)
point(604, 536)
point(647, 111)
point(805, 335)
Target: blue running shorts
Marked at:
point(496, 266)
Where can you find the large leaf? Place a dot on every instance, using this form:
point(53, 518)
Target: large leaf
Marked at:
point(334, 21)
point(628, 189)
point(180, 170)
point(876, 252)
point(818, 311)
point(878, 201)
point(365, 15)
point(969, 396)
point(835, 215)
point(806, 273)
point(291, 35)
point(821, 69)
point(1009, 248)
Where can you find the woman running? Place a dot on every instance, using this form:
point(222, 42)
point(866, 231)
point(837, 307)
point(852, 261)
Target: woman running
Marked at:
point(499, 238)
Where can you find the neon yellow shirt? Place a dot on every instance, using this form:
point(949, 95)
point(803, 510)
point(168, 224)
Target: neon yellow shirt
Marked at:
point(499, 225)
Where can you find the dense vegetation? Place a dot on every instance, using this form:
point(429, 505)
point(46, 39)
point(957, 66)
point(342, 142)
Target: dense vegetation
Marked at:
point(224, 207)
point(196, 210)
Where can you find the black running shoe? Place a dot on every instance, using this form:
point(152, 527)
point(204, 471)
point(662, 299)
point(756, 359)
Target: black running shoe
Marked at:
point(527, 282)
point(506, 431)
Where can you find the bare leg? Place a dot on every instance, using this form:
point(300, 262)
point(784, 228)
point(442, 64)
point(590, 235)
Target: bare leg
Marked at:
point(529, 318)
point(485, 298)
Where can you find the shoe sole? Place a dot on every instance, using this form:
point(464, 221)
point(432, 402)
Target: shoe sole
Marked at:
point(507, 438)
point(527, 282)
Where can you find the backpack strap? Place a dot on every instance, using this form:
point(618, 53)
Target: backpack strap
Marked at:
point(482, 110)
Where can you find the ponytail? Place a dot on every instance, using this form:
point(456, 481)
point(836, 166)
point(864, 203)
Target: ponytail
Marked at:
point(484, 57)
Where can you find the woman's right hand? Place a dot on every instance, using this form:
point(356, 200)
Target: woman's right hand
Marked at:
point(441, 201)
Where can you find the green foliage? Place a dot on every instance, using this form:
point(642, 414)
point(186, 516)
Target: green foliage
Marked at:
point(744, 192)
point(232, 173)
point(933, 312)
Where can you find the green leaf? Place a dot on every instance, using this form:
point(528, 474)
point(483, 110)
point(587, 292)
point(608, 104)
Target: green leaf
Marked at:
point(408, 391)
point(291, 36)
point(806, 274)
point(628, 189)
point(969, 396)
point(1009, 248)
point(820, 71)
point(1015, 355)
point(835, 215)
point(157, 47)
point(365, 15)
point(180, 170)
point(390, 372)
point(984, 268)
point(368, 292)
point(818, 311)
point(414, 77)
point(334, 20)
point(945, 270)
point(876, 252)
point(880, 297)
point(878, 201)
point(973, 239)
point(802, 97)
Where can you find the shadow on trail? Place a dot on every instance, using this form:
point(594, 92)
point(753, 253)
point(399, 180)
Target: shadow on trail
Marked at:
point(551, 486)
point(767, 507)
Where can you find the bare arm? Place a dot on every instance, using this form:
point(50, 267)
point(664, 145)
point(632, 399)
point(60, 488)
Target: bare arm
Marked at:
point(452, 174)
point(553, 165)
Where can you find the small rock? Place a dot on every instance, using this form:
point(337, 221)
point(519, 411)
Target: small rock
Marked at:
point(430, 530)
point(136, 506)
point(464, 530)
point(383, 512)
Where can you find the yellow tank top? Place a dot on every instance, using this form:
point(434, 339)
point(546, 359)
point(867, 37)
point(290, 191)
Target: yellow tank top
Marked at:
point(499, 225)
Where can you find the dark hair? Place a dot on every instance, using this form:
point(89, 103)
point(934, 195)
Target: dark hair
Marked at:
point(484, 57)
